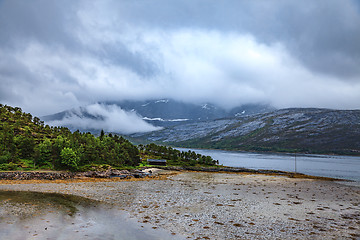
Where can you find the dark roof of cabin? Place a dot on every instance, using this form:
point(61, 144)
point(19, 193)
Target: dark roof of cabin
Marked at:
point(156, 160)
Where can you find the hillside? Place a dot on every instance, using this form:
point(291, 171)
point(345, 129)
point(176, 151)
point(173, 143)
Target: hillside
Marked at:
point(26, 142)
point(289, 130)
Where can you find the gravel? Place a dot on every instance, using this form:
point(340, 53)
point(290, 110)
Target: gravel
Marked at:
point(202, 205)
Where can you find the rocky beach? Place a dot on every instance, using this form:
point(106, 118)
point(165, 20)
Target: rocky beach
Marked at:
point(204, 205)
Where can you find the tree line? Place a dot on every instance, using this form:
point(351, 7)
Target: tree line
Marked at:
point(175, 156)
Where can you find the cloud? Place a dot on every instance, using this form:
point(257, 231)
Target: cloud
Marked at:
point(56, 56)
point(109, 118)
point(205, 63)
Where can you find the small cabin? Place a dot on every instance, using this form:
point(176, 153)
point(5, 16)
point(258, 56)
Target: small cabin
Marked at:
point(159, 162)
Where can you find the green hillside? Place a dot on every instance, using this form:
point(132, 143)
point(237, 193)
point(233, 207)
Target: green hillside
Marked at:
point(26, 143)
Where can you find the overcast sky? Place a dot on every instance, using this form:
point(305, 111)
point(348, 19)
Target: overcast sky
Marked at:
point(55, 55)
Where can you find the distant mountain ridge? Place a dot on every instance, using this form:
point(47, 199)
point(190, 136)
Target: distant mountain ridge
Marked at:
point(306, 130)
point(167, 112)
point(248, 127)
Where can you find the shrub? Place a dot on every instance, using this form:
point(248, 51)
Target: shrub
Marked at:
point(8, 166)
point(6, 157)
point(69, 158)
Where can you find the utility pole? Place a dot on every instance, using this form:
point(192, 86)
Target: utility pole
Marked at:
point(295, 161)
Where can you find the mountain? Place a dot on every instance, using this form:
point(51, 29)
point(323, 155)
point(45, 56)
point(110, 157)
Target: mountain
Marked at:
point(303, 130)
point(166, 112)
point(247, 127)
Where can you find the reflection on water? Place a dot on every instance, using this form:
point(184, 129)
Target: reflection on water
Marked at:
point(30, 215)
point(346, 167)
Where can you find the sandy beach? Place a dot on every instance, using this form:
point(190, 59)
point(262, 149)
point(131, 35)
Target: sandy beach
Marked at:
point(200, 205)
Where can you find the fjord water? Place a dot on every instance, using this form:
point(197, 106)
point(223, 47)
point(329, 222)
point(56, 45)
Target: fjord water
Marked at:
point(344, 167)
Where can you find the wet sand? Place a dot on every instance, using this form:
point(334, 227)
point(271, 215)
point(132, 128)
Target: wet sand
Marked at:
point(51, 216)
point(202, 205)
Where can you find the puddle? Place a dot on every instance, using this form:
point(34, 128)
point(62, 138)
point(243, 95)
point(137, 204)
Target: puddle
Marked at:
point(350, 183)
point(31, 215)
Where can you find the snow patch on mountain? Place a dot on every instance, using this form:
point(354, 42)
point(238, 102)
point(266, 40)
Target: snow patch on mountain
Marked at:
point(166, 120)
point(205, 106)
point(240, 114)
point(162, 101)
point(144, 105)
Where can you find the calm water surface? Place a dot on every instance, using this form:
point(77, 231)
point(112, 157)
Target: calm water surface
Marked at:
point(31, 215)
point(345, 167)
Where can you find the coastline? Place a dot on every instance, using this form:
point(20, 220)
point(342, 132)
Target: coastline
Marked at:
point(225, 205)
point(310, 153)
point(144, 172)
point(339, 167)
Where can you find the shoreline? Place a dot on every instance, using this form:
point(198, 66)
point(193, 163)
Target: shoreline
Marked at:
point(116, 175)
point(239, 170)
point(355, 154)
point(211, 205)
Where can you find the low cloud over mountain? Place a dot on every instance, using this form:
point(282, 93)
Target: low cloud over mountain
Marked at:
point(110, 118)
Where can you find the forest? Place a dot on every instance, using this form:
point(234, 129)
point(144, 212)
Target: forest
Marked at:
point(27, 143)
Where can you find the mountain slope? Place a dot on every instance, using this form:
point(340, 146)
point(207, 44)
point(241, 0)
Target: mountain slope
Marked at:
point(302, 130)
point(168, 109)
